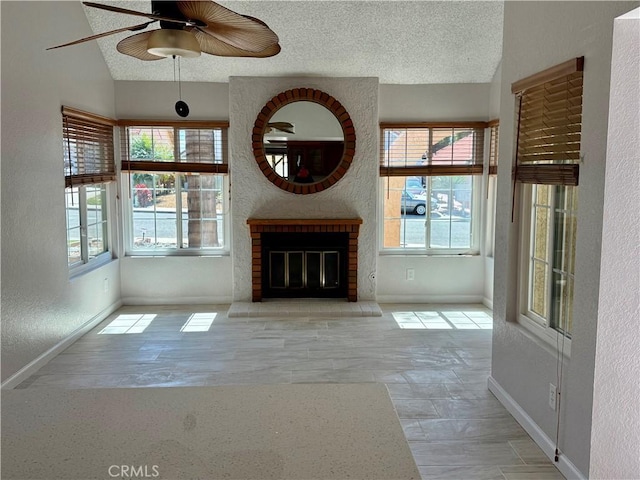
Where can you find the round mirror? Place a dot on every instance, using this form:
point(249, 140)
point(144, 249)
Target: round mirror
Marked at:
point(303, 140)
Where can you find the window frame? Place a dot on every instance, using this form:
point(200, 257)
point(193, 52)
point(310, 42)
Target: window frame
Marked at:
point(86, 262)
point(493, 143)
point(475, 222)
point(475, 170)
point(530, 320)
point(91, 164)
point(549, 110)
point(176, 168)
point(127, 209)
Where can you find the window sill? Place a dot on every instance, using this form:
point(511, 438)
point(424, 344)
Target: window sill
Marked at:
point(430, 253)
point(180, 253)
point(545, 337)
point(95, 264)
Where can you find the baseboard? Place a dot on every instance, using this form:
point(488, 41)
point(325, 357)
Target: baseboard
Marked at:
point(487, 303)
point(39, 362)
point(218, 300)
point(546, 444)
point(429, 299)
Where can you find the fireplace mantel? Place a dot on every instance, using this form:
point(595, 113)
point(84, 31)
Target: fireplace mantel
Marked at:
point(305, 221)
point(258, 226)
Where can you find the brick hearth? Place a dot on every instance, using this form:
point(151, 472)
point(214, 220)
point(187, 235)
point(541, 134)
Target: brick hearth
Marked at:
point(260, 226)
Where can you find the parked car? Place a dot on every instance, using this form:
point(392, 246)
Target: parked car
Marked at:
point(414, 186)
point(416, 203)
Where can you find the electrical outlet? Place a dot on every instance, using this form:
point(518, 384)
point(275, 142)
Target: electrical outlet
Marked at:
point(553, 396)
point(411, 274)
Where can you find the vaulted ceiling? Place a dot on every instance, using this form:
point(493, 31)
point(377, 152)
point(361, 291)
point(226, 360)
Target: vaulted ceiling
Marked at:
point(417, 42)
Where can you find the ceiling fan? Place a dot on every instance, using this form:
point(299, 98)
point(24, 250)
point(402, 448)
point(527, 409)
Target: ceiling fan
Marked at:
point(284, 127)
point(189, 28)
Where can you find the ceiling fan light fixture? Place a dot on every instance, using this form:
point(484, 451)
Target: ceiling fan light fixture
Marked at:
point(169, 42)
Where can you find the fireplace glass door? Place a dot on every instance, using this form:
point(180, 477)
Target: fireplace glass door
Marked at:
point(310, 270)
point(304, 265)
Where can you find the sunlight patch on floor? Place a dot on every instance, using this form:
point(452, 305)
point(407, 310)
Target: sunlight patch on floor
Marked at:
point(444, 320)
point(128, 323)
point(199, 322)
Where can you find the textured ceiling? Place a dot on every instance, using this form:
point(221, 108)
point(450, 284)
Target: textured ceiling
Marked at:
point(419, 42)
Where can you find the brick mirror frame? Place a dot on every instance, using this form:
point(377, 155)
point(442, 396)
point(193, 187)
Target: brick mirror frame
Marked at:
point(308, 95)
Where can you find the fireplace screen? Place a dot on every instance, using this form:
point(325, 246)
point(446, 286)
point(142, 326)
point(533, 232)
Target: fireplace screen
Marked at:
point(304, 269)
point(304, 265)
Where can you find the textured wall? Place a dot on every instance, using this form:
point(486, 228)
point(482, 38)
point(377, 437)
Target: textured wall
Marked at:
point(438, 279)
point(494, 94)
point(177, 279)
point(458, 278)
point(253, 196)
point(156, 100)
point(397, 103)
point(40, 305)
point(615, 444)
point(538, 35)
point(434, 103)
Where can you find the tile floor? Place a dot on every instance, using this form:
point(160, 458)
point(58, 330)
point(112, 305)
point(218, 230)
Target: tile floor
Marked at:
point(434, 359)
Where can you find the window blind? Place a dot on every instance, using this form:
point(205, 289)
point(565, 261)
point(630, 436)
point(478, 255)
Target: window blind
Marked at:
point(180, 147)
point(494, 128)
point(549, 125)
point(88, 148)
point(431, 149)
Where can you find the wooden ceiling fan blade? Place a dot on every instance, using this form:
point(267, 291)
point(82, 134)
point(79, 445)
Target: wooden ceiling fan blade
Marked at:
point(255, 20)
point(213, 46)
point(284, 127)
point(243, 32)
point(134, 28)
point(111, 8)
point(136, 46)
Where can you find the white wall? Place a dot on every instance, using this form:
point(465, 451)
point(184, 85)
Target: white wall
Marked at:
point(437, 279)
point(494, 113)
point(40, 305)
point(253, 196)
point(423, 103)
point(174, 280)
point(538, 35)
point(615, 443)
point(494, 93)
point(155, 100)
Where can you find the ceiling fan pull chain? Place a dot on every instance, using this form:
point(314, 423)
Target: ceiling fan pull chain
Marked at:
point(179, 81)
point(182, 108)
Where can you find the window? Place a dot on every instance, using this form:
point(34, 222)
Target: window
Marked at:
point(86, 223)
point(547, 166)
point(490, 237)
point(89, 166)
point(176, 182)
point(551, 254)
point(430, 187)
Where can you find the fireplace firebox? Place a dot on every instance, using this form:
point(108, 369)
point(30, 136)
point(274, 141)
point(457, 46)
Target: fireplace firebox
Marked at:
point(304, 264)
point(304, 258)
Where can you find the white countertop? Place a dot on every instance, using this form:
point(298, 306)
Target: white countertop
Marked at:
point(303, 431)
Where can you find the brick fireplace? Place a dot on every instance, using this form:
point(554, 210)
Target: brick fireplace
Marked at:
point(349, 228)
